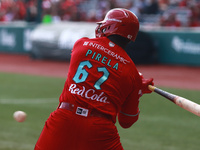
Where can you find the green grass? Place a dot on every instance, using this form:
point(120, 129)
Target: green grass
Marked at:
point(162, 125)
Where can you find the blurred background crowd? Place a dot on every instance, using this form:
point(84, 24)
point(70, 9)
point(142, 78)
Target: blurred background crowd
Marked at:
point(176, 13)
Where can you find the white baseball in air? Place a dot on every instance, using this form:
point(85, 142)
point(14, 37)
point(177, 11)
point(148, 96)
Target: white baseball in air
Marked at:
point(19, 116)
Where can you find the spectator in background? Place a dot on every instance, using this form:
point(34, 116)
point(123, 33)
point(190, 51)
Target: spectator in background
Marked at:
point(2, 12)
point(195, 11)
point(47, 11)
point(51, 11)
point(6, 10)
point(11, 10)
point(183, 3)
point(55, 11)
point(20, 13)
point(193, 22)
point(113, 4)
point(103, 6)
point(163, 5)
point(152, 8)
point(170, 21)
point(194, 16)
point(141, 5)
point(31, 10)
point(69, 10)
point(133, 8)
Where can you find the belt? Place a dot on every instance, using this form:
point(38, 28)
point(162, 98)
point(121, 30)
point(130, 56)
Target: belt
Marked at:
point(83, 111)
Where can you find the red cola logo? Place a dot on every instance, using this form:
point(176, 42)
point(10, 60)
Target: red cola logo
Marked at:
point(89, 94)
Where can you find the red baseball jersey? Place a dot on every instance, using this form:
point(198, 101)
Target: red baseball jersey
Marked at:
point(102, 76)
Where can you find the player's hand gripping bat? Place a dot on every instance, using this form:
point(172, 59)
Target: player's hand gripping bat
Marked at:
point(178, 100)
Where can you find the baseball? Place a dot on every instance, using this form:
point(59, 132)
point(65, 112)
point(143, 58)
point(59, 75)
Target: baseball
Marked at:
point(19, 116)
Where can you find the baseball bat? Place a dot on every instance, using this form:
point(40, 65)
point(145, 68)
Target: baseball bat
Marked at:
point(178, 100)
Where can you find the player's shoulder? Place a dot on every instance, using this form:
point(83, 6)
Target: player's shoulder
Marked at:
point(81, 40)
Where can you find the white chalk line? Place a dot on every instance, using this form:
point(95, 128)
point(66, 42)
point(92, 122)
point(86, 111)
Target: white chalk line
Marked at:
point(29, 101)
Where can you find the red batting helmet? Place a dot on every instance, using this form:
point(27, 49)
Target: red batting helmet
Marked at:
point(118, 21)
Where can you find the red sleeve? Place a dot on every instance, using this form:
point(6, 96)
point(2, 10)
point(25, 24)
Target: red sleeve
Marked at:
point(129, 113)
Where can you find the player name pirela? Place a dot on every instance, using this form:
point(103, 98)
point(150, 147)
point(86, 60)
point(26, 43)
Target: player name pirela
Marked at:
point(89, 94)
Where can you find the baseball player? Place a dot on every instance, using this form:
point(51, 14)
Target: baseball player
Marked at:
point(102, 84)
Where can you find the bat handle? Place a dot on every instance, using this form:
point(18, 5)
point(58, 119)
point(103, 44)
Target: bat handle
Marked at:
point(163, 93)
point(151, 87)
